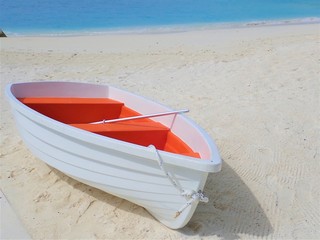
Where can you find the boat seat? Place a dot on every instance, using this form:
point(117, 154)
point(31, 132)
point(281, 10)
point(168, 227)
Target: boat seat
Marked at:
point(75, 110)
point(143, 133)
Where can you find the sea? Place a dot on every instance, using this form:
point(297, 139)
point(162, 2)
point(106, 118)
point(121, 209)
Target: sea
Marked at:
point(77, 17)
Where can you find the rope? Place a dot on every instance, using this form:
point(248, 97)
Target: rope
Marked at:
point(190, 195)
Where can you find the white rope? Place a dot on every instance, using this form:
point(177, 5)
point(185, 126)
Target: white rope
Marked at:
point(195, 196)
point(190, 195)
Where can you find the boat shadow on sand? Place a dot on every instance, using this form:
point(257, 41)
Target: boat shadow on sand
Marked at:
point(232, 209)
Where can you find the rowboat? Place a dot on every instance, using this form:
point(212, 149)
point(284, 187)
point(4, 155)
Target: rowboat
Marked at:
point(119, 142)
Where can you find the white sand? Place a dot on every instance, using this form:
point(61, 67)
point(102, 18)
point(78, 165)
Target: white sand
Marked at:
point(254, 90)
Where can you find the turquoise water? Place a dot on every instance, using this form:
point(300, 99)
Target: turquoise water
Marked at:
point(94, 16)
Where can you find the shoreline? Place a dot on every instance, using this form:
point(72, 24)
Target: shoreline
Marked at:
point(143, 43)
point(165, 29)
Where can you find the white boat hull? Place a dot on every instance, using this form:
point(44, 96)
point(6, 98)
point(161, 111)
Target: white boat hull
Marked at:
point(123, 169)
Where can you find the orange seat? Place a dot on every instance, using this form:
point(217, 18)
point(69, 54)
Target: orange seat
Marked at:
point(141, 133)
point(75, 110)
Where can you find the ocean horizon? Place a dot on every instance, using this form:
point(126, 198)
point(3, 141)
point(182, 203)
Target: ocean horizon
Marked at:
point(94, 17)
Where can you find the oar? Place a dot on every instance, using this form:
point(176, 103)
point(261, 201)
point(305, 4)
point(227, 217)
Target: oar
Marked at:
point(141, 116)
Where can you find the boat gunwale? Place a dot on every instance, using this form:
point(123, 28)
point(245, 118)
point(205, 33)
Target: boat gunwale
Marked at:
point(206, 165)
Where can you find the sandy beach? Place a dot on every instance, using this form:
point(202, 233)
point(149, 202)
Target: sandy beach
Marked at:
point(255, 90)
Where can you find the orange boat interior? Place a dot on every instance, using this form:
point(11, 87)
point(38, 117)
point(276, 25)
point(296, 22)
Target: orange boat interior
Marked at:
point(82, 112)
